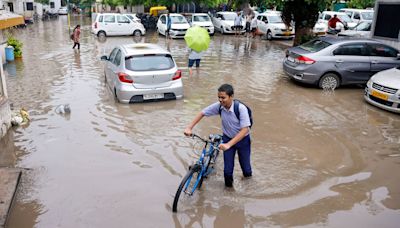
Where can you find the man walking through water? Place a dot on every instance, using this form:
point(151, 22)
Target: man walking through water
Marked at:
point(76, 35)
point(235, 128)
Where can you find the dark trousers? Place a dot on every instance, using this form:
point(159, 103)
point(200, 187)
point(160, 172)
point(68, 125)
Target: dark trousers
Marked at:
point(243, 147)
point(75, 44)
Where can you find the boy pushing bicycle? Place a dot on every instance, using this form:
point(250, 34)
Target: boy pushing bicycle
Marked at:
point(236, 123)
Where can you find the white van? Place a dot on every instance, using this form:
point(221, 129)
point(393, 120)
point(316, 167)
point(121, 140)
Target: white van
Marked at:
point(358, 15)
point(115, 24)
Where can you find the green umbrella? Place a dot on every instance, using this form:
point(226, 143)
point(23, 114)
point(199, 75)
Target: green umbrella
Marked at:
point(197, 38)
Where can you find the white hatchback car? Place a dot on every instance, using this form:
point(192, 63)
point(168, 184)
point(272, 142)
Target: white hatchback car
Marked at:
point(383, 90)
point(142, 72)
point(271, 24)
point(203, 20)
point(63, 10)
point(179, 25)
point(224, 21)
point(115, 24)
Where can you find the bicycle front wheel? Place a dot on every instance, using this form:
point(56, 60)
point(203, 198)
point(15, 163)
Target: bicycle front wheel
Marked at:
point(186, 183)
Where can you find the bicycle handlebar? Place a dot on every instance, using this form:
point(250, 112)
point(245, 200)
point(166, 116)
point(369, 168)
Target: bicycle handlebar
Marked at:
point(213, 138)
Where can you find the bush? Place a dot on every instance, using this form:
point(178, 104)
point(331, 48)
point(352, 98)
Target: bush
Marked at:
point(11, 41)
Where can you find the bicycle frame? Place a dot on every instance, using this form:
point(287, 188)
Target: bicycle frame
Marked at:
point(200, 163)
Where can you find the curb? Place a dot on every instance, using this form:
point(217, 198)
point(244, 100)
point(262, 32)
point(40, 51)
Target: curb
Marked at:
point(9, 180)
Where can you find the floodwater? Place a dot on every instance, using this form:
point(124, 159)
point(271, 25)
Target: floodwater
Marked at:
point(319, 158)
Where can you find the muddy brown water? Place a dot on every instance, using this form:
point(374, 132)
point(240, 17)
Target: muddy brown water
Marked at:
point(319, 158)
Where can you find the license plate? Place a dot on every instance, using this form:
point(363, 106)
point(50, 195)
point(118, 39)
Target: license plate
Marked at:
point(320, 33)
point(290, 59)
point(286, 33)
point(379, 95)
point(153, 96)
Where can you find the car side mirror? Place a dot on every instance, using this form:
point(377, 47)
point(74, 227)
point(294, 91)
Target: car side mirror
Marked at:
point(398, 55)
point(104, 58)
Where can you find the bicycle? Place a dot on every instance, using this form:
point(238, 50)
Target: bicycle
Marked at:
point(201, 169)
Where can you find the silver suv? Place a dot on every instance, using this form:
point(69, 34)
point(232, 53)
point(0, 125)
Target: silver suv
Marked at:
point(333, 61)
point(142, 72)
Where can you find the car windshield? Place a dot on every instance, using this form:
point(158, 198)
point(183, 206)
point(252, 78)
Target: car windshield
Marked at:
point(314, 45)
point(363, 26)
point(178, 20)
point(344, 18)
point(367, 15)
point(275, 19)
point(201, 18)
point(129, 16)
point(149, 62)
point(229, 16)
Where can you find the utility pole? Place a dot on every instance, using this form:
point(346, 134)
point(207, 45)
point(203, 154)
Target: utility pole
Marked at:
point(68, 16)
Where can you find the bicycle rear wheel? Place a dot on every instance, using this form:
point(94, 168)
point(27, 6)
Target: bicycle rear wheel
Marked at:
point(188, 177)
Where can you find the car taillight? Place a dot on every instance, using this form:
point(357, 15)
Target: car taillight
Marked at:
point(178, 75)
point(305, 60)
point(95, 25)
point(124, 78)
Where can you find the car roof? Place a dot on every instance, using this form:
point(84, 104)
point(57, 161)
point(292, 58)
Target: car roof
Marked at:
point(271, 13)
point(334, 12)
point(173, 14)
point(226, 12)
point(357, 10)
point(340, 39)
point(142, 49)
point(195, 14)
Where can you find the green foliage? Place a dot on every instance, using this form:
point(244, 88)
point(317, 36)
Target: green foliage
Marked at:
point(361, 4)
point(12, 41)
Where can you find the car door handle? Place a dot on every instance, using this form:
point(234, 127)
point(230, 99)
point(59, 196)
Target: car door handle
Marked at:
point(374, 62)
point(339, 61)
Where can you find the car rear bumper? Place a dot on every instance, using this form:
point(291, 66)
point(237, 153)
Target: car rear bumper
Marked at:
point(126, 93)
point(298, 73)
point(391, 104)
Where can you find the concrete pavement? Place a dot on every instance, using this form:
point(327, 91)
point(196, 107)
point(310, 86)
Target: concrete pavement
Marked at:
point(9, 179)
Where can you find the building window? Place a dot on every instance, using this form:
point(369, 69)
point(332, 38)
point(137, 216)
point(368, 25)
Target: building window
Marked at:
point(29, 6)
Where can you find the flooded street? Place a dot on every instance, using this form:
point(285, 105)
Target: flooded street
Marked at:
point(319, 158)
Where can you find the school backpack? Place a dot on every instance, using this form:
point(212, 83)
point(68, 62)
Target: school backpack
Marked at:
point(237, 113)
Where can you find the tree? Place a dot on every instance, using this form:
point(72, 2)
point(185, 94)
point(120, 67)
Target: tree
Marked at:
point(361, 4)
point(304, 14)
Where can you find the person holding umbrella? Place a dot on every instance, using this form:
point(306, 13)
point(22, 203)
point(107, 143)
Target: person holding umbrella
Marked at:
point(198, 40)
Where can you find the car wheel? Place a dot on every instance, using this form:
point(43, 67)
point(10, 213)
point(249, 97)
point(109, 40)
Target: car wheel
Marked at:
point(101, 34)
point(269, 35)
point(137, 33)
point(329, 81)
point(222, 30)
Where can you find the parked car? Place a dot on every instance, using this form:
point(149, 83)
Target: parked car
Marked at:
point(359, 15)
point(363, 29)
point(133, 17)
point(320, 29)
point(271, 24)
point(383, 90)
point(203, 20)
point(224, 21)
point(142, 72)
point(63, 10)
point(333, 61)
point(326, 15)
point(179, 25)
point(115, 24)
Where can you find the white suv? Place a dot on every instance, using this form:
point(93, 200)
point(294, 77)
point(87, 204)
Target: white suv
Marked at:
point(271, 24)
point(115, 24)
